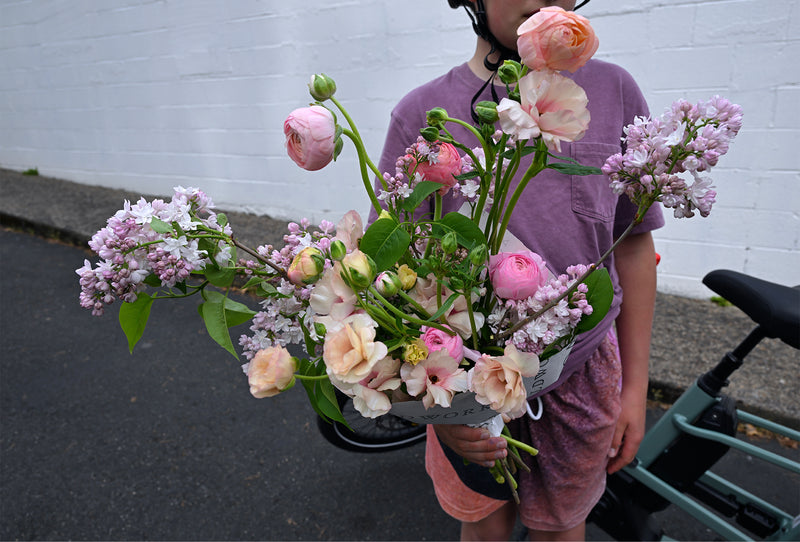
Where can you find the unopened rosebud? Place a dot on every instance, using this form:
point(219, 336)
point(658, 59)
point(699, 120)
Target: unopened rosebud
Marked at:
point(321, 87)
point(510, 72)
point(359, 270)
point(407, 276)
point(430, 134)
point(387, 283)
point(307, 266)
point(436, 116)
point(338, 250)
point(487, 112)
point(478, 255)
point(449, 242)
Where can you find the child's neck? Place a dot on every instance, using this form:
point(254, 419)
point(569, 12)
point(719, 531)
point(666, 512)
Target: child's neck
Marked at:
point(476, 64)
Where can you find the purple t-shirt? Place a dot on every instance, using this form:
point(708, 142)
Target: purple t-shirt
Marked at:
point(566, 219)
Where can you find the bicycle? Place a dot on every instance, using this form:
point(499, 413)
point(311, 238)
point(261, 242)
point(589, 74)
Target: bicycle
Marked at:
point(674, 460)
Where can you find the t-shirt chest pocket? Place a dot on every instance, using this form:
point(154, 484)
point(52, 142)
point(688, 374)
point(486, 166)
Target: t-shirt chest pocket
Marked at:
point(591, 195)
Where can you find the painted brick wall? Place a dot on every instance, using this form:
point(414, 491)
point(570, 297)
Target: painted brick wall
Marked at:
point(147, 95)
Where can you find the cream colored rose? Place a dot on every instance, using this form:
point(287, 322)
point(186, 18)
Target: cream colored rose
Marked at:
point(498, 381)
point(271, 371)
point(350, 350)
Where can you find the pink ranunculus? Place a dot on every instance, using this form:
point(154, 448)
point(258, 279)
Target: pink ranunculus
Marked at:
point(350, 351)
point(517, 275)
point(438, 376)
point(448, 164)
point(350, 229)
point(310, 137)
point(498, 381)
point(436, 339)
point(556, 39)
point(551, 105)
point(271, 371)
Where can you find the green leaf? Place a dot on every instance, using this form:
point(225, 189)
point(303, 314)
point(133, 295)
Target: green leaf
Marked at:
point(222, 219)
point(386, 242)
point(469, 175)
point(221, 277)
point(159, 226)
point(235, 313)
point(152, 280)
point(509, 154)
point(468, 233)
point(213, 314)
point(599, 296)
point(420, 193)
point(574, 169)
point(133, 318)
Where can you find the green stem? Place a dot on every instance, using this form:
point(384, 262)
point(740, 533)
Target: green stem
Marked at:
point(306, 377)
point(360, 144)
point(407, 317)
point(521, 445)
point(362, 162)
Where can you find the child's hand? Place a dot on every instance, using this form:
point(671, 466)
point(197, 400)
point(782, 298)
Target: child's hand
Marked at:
point(475, 445)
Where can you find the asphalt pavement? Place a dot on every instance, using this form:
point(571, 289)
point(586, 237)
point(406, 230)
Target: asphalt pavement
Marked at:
point(167, 443)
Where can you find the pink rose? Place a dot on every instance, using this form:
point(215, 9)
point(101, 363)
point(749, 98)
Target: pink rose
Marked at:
point(517, 275)
point(448, 164)
point(271, 371)
point(556, 39)
point(436, 339)
point(310, 136)
point(306, 267)
point(350, 350)
point(498, 381)
point(552, 106)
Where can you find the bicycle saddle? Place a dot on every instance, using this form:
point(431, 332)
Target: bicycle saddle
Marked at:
point(774, 307)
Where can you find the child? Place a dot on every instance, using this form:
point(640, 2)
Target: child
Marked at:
point(589, 425)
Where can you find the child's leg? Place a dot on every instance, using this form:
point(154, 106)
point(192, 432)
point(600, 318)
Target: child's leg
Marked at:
point(576, 533)
point(496, 526)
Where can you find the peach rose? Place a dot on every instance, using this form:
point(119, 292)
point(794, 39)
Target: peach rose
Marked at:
point(556, 39)
point(497, 381)
point(306, 267)
point(551, 105)
point(350, 350)
point(271, 371)
point(310, 137)
point(448, 164)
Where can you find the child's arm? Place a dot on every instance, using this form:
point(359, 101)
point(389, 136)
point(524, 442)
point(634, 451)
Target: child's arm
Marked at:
point(635, 262)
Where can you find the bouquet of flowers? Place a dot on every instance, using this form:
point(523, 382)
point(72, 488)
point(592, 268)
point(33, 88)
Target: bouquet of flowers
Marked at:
point(419, 312)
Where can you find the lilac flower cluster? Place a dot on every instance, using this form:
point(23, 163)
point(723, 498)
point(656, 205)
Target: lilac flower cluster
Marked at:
point(140, 240)
point(400, 186)
point(686, 138)
point(285, 313)
point(555, 323)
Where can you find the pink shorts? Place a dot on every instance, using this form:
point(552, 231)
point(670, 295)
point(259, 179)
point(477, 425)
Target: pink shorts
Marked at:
point(573, 437)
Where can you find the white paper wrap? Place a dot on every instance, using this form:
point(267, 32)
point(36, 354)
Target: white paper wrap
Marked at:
point(464, 409)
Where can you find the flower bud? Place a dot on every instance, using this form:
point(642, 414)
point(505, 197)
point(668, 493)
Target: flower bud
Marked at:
point(359, 270)
point(415, 351)
point(307, 266)
point(407, 276)
point(338, 250)
point(321, 87)
point(430, 134)
point(449, 242)
point(388, 283)
point(510, 72)
point(436, 116)
point(487, 112)
point(478, 255)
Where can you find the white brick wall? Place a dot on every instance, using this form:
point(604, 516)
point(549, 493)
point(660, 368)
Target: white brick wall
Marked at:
point(148, 94)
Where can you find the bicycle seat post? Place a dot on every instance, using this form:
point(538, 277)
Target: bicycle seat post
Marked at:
point(714, 380)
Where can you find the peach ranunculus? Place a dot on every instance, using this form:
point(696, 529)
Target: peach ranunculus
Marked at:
point(424, 293)
point(306, 267)
point(517, 275)
point(439, 377)
point(556, 39)
point(350, 229)
point(350, 350)
point(497, 381)
point(270, 371)
point(436, 339)
point(446, 165)
point(552, 106)
point(369, 395)
point(310, 137)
